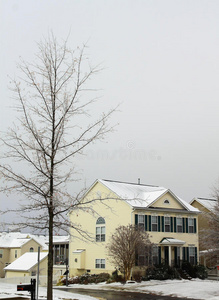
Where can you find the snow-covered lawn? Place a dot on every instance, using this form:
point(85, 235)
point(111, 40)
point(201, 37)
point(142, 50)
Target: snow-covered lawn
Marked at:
point(197, 289)
point(10, 290)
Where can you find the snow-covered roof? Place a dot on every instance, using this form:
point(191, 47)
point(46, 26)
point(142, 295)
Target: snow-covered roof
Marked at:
point(60, 239)
point(78, 251)
point(171, 241)
point(27, 261)
point(141, 195)
point(206, 202)
point(18, 239)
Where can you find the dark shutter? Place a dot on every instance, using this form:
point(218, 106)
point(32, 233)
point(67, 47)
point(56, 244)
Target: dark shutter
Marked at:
point(162, 220)
point(171, 224)
point(195, 226)
point(174, 224)
point(183, 225)
point(149, 223)
point(159, 255)
point(146, 222)
point(187, 226)
point(158, 223)
point(196, 256)
point(175, 256)
point(187, 248)
point(136, 219)
point(184, 253)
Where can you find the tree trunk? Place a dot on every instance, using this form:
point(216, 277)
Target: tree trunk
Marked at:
point(50, 258)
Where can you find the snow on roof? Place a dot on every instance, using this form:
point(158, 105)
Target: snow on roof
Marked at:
point(206, 202)
point(18, 239)
point(60, 239)
point(172, 241)
point(140, 195)
point(27, 261)
point(78, 251)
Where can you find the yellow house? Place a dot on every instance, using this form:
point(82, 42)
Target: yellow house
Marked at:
point(206, 206)
point(27, 265)
point(15, 244)
point(171, 222)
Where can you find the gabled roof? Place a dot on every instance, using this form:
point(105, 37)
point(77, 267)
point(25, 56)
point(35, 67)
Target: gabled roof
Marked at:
point(18, 239)
point(141, 195)
point(208, 203)
point(171, 241)
point(26, 262)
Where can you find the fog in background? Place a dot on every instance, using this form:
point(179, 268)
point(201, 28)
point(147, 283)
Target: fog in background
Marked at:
point(161, 62)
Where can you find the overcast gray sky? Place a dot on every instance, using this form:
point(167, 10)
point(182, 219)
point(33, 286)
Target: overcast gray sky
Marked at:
point(161, 62)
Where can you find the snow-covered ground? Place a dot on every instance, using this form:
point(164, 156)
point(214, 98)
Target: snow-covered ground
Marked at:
point(10, 290)
point(197, 289)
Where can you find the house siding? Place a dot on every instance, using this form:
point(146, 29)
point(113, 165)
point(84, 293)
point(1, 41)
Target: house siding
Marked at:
point(118, 212)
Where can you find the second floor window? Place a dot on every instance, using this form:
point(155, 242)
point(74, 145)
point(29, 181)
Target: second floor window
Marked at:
point(191, 225)
point(15, 254)
point(179, 225)
point(31, 249)
point(141, 221)
point(154, 223)
point(167, 224)
point(100, 230)
point(1, 253)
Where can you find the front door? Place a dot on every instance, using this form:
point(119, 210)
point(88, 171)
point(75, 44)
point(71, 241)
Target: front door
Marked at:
point(166, 255)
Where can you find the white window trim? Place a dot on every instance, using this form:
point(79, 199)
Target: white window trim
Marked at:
point(154, 223)
point(102, 262)
point(167, 224)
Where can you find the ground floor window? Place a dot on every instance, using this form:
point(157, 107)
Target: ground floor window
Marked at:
point(100, 263)
point(155, 255)
point(192, 255)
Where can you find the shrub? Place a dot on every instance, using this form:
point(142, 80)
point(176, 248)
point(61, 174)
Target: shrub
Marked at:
point(87, 278)
point(161, 272)
point(197, 271)
point(137, 275)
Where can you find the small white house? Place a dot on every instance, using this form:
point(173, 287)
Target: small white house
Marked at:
point(27, 265)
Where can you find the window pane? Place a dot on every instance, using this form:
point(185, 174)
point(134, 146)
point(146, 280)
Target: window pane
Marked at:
point(103, 230)
point(179, 221)
point(154, 227)
point(192, 251)
point(140, 219)
point(98, 230)
point(179, 224)
point(191, 222)
point(154, 219)
point(100, 220)
point(167, 220)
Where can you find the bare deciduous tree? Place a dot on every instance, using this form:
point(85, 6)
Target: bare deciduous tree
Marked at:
point(54, 126)
point(209, 236)
point(125, 244)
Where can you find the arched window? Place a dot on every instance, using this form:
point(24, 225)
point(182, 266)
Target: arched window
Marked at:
point(166, 201)
point(100, 220)
point(100, 230)
point(31, 249)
